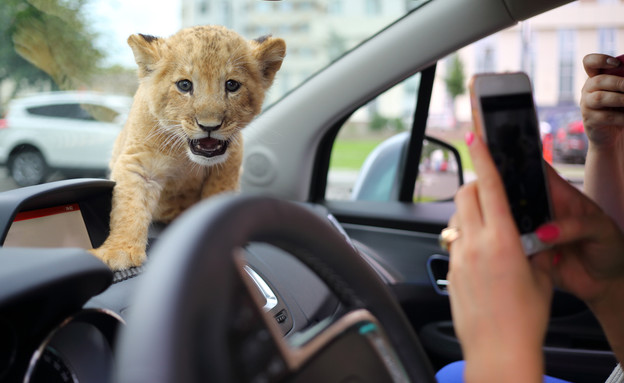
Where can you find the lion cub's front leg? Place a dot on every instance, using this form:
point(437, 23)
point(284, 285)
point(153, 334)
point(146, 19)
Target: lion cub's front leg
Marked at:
point(134, 198)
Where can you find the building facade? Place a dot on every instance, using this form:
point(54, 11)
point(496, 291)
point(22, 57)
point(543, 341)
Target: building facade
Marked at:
point(549, 47)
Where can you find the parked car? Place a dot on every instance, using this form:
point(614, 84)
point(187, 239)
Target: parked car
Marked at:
point(294, 287)
point(571, 143)
point(71, 132)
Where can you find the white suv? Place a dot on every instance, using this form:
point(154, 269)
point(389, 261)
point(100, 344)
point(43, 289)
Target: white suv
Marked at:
point(71, 132)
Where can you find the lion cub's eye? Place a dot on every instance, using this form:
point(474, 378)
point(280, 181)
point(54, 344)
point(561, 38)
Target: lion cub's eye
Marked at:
point(185, 86)
point(232, 85)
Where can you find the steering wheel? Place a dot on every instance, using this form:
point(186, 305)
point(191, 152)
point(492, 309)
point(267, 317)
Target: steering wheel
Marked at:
point(196, 316)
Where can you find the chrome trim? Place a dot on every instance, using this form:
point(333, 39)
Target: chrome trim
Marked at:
point(298, 351)
point(265, 290)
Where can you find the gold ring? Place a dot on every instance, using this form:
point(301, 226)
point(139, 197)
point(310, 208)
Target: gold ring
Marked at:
point(447, 236)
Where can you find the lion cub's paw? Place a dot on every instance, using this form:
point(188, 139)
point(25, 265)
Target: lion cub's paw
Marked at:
point(119, 259)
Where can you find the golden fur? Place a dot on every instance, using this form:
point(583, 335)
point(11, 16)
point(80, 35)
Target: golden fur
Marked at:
point(198, 89)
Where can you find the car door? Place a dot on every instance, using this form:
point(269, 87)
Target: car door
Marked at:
point(71, 137)
point(398, 233)
point(396, 228)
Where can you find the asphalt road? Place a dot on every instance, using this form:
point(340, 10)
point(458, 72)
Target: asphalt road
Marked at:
point(7, 183)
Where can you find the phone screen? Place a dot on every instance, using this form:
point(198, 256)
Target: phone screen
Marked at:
point(513, 139)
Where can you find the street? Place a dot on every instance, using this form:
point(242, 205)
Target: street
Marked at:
point(6, 183)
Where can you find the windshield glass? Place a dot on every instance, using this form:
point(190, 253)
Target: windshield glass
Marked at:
point(67, 73)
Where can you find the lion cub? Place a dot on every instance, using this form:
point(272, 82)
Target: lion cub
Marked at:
point(182, 141)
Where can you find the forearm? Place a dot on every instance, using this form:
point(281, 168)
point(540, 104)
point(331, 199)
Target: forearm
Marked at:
point(515, 365)
point(604, 179)
point(610, 313)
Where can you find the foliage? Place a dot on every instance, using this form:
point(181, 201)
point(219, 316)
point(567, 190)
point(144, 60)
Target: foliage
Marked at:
point(336, 45)
point(46, 42)
point(379, 123)
point(455, 78)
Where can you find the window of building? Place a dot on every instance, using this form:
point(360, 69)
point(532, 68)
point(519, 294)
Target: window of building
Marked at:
point(203, 7)
point(306, 6)
point(263, 7)
point(567, 62)
point(485, 53)
point(367, 152)
point(373, 7)
point(286, 6)
point(528, 43)
point(335, 7)
point(606, 41)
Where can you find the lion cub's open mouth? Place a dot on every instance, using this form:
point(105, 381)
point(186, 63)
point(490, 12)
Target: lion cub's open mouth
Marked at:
point(208, 147)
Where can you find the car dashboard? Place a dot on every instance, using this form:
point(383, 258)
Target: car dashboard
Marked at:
point(61, 308)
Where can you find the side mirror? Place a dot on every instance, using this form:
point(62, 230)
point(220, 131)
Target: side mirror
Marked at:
point(440, 172)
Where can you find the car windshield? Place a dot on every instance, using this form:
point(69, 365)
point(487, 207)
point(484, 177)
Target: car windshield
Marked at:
point(68, 75)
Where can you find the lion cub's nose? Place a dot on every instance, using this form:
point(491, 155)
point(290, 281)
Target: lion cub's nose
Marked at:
point(208, 128)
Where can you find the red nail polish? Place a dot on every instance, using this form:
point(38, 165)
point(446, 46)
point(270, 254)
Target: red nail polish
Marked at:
point(556, 259)
point(469, 137)
point(547, 232)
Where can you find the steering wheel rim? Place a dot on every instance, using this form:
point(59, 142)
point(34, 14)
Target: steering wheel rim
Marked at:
point(194, 257)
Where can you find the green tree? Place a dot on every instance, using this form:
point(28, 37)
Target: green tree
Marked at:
point(455, 82)
point(46, 42)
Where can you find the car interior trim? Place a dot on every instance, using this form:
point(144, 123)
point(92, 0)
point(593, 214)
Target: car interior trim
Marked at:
point(410, 158)
point(104, 321)
point(263, 288)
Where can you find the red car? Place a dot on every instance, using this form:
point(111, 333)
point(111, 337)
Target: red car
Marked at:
point(571, 143)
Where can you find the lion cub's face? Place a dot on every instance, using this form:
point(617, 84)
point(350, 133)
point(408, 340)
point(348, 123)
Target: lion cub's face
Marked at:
point(203, 85)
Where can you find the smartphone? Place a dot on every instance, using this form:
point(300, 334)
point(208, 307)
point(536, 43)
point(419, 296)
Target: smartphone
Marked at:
point(505, 117)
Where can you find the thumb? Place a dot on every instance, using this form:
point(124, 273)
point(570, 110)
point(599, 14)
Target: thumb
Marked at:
point(572, 229)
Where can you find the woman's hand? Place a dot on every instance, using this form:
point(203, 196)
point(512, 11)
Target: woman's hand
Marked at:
point(602, 106)
point(590, 256)
point(590, 245)
point(500, 299)
point(602, 98)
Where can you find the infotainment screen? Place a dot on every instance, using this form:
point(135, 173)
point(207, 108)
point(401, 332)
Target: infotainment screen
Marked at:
point(59, 226)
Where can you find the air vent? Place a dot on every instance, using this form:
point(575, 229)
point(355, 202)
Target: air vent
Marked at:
point(438, 266)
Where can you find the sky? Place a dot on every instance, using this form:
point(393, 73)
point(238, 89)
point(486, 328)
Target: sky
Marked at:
point(115, 20)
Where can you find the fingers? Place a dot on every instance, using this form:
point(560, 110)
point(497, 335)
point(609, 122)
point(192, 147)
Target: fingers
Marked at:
point(594, 62)
point(573, 229)
point(566, 199)
point(468, 216)
point(602, 107)
point(491, 196)
point(603, 91)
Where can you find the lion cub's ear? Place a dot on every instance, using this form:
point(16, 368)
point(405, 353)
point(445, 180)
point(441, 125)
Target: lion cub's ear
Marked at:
point(270, 52)
point(146, 51)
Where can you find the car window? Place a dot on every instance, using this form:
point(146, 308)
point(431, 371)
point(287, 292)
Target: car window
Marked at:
point(84, 112)
point(367, 151)
point(71, 46)
point(548, 52)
